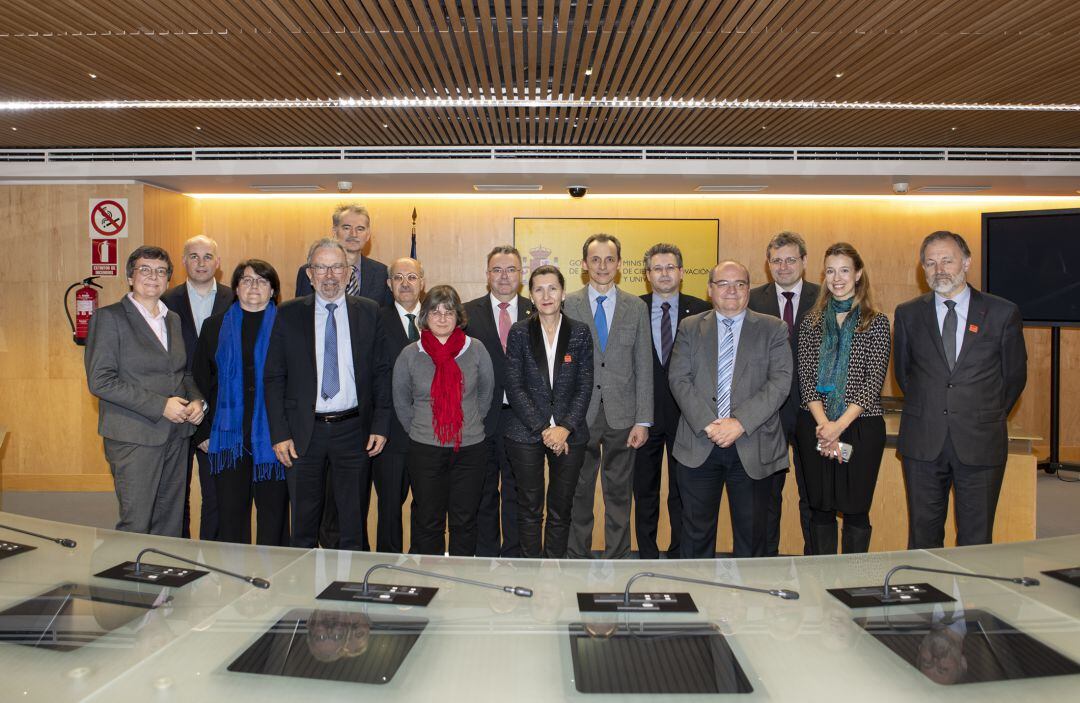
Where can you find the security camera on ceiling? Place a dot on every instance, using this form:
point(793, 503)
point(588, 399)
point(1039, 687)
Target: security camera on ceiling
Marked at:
point(577, 191)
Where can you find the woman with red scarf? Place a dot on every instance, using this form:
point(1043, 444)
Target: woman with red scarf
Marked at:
point(442, 387)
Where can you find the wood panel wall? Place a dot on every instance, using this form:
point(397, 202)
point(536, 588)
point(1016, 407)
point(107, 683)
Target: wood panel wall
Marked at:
point(53, 443)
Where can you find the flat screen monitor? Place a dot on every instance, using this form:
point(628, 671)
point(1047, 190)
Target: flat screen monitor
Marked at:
point(1033, 259)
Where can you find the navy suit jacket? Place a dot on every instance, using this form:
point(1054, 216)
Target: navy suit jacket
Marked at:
point(373, 277)
point(665, 409)
point(394, 340)
point(534, 396)
point(176, 299)
point(483, 326)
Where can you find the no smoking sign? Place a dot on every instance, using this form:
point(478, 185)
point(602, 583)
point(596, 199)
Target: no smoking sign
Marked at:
point(108, 218)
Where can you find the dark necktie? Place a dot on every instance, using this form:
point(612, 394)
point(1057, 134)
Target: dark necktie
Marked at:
point(665, 332)
point(789, 312)
point(331, 384)
point(948, 334)
point(414, 334)
point(353, 286)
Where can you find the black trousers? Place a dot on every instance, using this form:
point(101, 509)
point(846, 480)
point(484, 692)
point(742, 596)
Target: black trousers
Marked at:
point(340, 445)
point(527, 461)
point(236, 491)
point(391, 479)
point(701, 489)
point(497, 523)
point(208, 511)
point(445, 484)
point(928, 484)
point(648, 467)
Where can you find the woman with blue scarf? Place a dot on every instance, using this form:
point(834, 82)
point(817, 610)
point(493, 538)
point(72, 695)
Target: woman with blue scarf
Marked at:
point(228, 369)
point(843, 351)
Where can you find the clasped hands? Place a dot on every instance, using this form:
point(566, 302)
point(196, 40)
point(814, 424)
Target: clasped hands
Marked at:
point(828, 434)
point(724, 431)
point(179, 410)
point(555, 439)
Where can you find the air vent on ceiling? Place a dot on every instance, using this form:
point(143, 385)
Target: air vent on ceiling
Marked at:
point(299, 188)
point(508, 188)
point(731, 189)
point(952, 189)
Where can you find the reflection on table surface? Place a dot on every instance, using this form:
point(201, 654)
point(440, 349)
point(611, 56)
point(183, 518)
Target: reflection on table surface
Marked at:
point(218, 638)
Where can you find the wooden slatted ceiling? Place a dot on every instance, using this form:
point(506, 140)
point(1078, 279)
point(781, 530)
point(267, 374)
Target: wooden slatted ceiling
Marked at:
point(1015, 51)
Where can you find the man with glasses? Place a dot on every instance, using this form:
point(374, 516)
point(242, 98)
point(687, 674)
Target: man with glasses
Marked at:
point(667, 308)
point(730, 372)
point(136, 364)
point(327, 396)
point(194, 300)
point(390, 475)
point(352, 229)
point(490, 317)
point(788, 297)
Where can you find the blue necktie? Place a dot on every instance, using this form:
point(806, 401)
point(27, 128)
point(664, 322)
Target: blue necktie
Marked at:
point(725, 367)
point(600, 318)
point(331, 384)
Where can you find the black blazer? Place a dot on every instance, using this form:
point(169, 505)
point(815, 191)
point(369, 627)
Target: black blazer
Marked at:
point(533, 396)
point(483, 326)
point(176, 299)
point(373, 277)
point(763, 300)
point(291, 377)
point(665, 411)
point(394, 340)
point(971, 403)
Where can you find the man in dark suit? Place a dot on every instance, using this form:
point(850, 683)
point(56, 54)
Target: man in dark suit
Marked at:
point(367, 277)
point(961, 362)
point(788, 297)
point(730, 373)
point(389, 472)
point(195, 300)
point(667, 308)
point(490, 318)
point(351, 226)
point(327, 396)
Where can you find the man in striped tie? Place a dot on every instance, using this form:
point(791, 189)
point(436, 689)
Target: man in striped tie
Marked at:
point(730, 372)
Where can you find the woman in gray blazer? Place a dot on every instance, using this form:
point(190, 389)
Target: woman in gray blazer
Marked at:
point(148, 403)
point(442, 389)
point(549, 378)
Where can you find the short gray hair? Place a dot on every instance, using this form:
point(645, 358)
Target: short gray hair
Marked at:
point(784, 239)
point(200, 239)
point(503, 249)
point(390, 268)
point(325, 243)
point(662, 248)
point(355, 208)
point(944, 235)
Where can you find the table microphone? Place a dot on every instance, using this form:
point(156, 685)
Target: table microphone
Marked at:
point(516, 590)
point(1021, 580)
point(253, 580)
point(62, 541)
point(778, 592)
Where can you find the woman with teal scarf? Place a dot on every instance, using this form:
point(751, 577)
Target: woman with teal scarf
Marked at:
point(843, 351)
point(228, 369)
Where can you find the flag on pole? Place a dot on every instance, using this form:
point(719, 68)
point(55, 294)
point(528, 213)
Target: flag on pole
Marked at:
point(412, 249)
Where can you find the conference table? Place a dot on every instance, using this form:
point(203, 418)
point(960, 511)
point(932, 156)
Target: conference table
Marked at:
point(206, 640)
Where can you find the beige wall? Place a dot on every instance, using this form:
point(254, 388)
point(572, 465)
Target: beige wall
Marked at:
point(51, 417)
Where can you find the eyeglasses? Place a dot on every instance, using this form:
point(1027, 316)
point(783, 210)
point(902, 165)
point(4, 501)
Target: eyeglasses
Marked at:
point(739, 286)
point(410, 277)
point(321, 269)
point(790, 261)
point(150, 272)
point(498, 271)
point(437, 312)
point(254, 282)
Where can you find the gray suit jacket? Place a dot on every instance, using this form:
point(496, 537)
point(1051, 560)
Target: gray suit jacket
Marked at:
point(622, 374)
point(133, 375)
point(761, 384)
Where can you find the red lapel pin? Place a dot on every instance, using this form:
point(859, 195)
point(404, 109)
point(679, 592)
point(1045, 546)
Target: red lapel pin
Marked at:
point(566, 359)
point(974, 329)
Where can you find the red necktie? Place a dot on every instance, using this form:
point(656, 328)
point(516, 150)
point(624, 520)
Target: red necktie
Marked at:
point(504, 324)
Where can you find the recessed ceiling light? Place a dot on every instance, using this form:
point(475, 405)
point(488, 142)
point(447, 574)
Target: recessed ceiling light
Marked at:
point(839, 74)
point(953, 189)
point(197, 127)
point(338, 72)
point(93, 75)
point(763, 127)
point(510, 188)
point(952, 129)
point(731, 189)
point(14, 129)
point(588, 71)
point(385, 126)
point(297, 188)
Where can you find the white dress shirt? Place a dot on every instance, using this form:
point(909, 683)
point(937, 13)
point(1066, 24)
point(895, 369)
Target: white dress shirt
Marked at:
point(402, 312)
point(346, 395)
point(156, 322)
point(781, 301)
point(609, 304)
point(549, 349)
point(202, 306)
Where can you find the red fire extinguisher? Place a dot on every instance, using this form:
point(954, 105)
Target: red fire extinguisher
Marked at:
point(86, 302)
